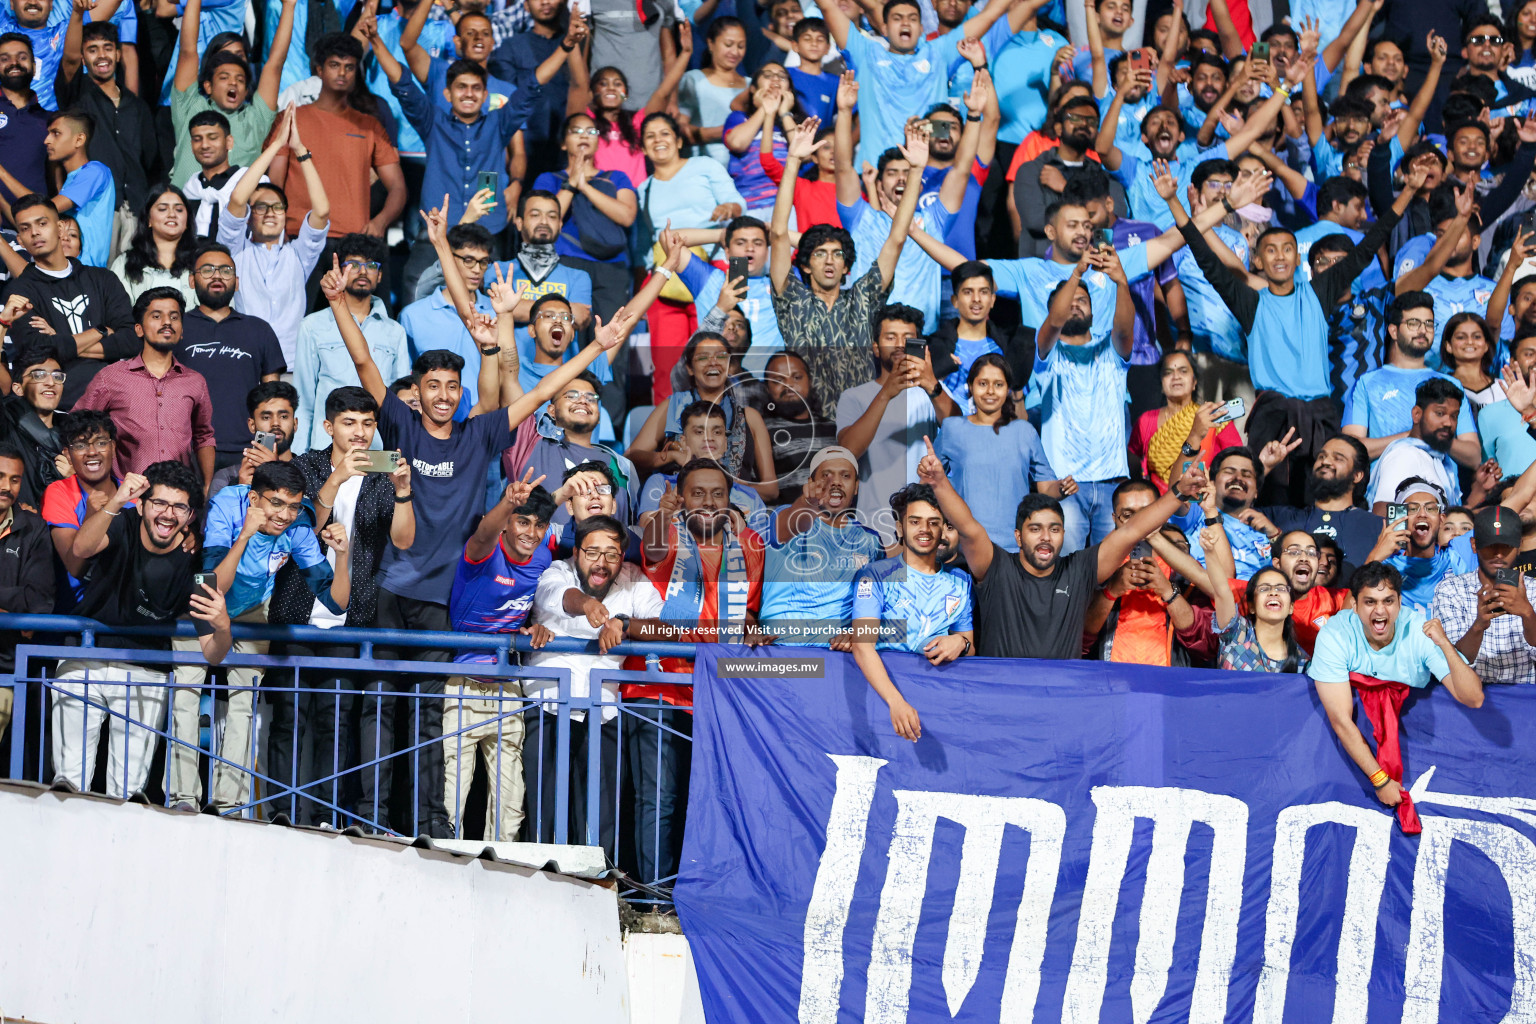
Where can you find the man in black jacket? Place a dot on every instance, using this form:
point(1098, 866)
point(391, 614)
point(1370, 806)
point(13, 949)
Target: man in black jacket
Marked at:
point(376, 511)
point(28, 419)
point(26, 568)
point(81, 312)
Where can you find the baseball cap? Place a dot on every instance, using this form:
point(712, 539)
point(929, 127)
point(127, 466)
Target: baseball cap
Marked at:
point(1497, 525)
point(832, 453)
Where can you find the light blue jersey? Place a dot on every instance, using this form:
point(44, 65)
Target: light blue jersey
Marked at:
point(1382, 401)
point(1463, 295)
point(1032, 279)
point(1371, 278)
point(1135, 173)
point(90, 188)
point(1411, 658)
point(913, 607)
point(918, 275)
point(1021, 74)
point(1211, 321)
point(808, 578)
point(1082, 410)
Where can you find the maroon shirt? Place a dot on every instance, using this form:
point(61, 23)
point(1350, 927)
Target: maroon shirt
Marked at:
point(157, 418)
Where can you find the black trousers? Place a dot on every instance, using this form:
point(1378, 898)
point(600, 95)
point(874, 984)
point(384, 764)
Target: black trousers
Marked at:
point(310, 736)
point(424, 812)
point(657, 759)
point(540, 780)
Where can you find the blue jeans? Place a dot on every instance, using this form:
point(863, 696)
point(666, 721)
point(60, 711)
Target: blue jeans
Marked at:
point(1089, 514)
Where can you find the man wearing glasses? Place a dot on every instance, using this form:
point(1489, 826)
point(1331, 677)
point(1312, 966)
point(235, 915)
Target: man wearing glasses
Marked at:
point(160, 405)
point(90, 443)
point(233, 351)
point(1296, 554)
point(252, 532)
point(432, 322)
point(552, 330)
point(321, 364)
point(28, 420)
point(552, 445)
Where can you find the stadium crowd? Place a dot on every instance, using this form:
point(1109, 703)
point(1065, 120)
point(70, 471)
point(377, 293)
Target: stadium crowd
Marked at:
point(902, 328)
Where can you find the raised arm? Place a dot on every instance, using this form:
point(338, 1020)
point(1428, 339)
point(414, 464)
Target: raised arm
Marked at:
point(837, 22)
point(1060, 310)
point(1268, 111)
point(1226, 30)
point(1123, 332)
point(1356, 25)
point(1104, 145)
point(975, 544)
point(272, 71)
point(842, 134)
point(71, 60)
point(1519, 251)
point(187, 54)
point(1115, 548)
point(1440, 254)
point(1408, 130)
point(802, 146)
point(952, 190)
point(416, 56)
point(334, 287)
point(916, 153)
point(675, 69)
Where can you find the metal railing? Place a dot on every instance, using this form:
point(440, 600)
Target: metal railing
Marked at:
point(590, 768)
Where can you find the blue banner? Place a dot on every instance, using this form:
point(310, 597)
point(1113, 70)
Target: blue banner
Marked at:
point(1086, 842)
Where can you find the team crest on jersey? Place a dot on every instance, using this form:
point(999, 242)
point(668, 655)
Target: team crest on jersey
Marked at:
point(866, 587)
point(1482, 296)
point(951, 605)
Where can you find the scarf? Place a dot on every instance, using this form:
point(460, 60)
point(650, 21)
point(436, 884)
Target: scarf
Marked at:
point(1167, 443)
point(1382, 702)
point(538, 260)
point(686, 595)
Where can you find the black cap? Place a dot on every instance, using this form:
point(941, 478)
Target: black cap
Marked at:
point(1497, 525)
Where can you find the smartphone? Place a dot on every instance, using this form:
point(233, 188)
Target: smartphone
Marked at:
point(204, 579)
point(1507, 577)
point(737, 269)
point(1143, 549)
point(1190, 464)
point(1106, 238)
point(1140, 60)
point(487, 180)
point(266, 439)
point(917, 348)
point(1397, 514)
point(383, 462)
point(1259, 51)
point(1230, 411)
point(940, 129)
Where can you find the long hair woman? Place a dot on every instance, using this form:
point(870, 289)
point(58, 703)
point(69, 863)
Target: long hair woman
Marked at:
point(160, 252)
point(1160, 434)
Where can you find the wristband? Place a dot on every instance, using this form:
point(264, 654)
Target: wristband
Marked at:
point(1380, 778)
point(405, 500)
point(1213, 521)
point(6, 324)
point(305, 157)
point(624, 621)
point(967, 649)
point(664, 272)
point(490, 350)
point(568, 49)
point(111, 513)
point(973, 117)
point(1228, 204)
point(321, 501)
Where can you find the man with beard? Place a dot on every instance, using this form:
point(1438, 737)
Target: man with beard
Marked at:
point(1492, 622)
point(1163, 138)
point(160, 404)
point(1378, 409)
point(594, 594)
point(434, 322)
point(90, 441)
point(41, 23)
point(552, 333)
point(271, 406)
point(1425, 452)
point(943, 156)
point(376, 512)
point(551, 445)
point(140, 572)
point(26, 119)
point(26, 574)
point(1484, 49)
point(910, 603)
point(815, 545)
point(1237, 475)
point(1033, 604)
point(1038, 183)
point(80, 312)
point(1296, 555)
point(29, 419)
point(538, 270)
point(276, 266)
point(321, 365)
point(1335, 480)
point(707, 568)
point(233, 351)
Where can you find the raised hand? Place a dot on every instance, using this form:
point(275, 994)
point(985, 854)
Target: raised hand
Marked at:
point(981, 90)
point(973, 51)
point(335, 535)
point(1309, 36)
point(503, 293)
point(1520, 390)
point(436, 221)
point(1250, 188)
point(847, 92)
point(1300, 67)
point(930, 468)
point(670, 503)
point(1436, 633)
point(802, 141)
point(1438, 50)
point(916, 149)
point(1275, 452)
point(132, 488)
point(518, 491)
point(1526, 129)
point(336, 281)
point(1163, 180)
point(612, 334)
point(1415, 174)
point(1488, 475)
point(16, 307)
point(482, 328)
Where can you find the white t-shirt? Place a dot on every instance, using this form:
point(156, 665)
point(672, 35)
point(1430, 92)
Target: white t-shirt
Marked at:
point(631, 594)
point(1409, 457)
point(344, 513)
point(891, 461)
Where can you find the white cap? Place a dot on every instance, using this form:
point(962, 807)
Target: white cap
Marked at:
point(831, 453)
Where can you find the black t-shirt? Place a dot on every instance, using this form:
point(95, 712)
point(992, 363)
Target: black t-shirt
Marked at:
point(128, 585)
point(1024, 616)
point(1356, 529)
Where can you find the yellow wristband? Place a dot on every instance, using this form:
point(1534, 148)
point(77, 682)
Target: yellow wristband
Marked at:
point(1381, 778)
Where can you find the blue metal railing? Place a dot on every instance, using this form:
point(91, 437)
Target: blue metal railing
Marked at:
point(614, 733)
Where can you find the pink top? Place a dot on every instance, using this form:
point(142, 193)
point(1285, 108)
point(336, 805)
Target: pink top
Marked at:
point(1225, 436)
point(614, 155)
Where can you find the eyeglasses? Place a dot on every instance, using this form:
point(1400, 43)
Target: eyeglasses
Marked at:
point(612, 557)
point(712, 357)
point(179, 508)
point(1414, 323)
point(281, 506)
point(269, 207)
point(1272, 588)
point(470, 263)
point(96, 444)
point(827, 254)
point(361, 265)
point(1484, 40)
point(39, 376)
point(559, 318)
point(1428, 508)
point(583, 131)
point(209, 270)
point(1218, 186)
point(603, 489)
point(1079, 119)
point(1296, 552)
point(579, 397)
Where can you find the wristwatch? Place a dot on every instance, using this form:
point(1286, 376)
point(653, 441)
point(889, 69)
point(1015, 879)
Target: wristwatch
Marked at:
point(938, 389)
point(1213, 521)
point(307, 155)
point(490, 350)
point(1189, 452)
point(624, 619)
point(972, 117)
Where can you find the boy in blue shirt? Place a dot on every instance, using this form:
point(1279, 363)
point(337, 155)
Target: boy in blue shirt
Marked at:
point(908, 603)
point(815, 88)
point(493, 590)
point(88, 190)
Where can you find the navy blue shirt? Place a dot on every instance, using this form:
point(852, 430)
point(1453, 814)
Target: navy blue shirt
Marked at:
point(517, 58)
point(458, 152)
point(21, 140)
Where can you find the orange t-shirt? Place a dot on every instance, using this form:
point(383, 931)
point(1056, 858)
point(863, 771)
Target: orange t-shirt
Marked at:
point(347, 146)
point(1309, 612)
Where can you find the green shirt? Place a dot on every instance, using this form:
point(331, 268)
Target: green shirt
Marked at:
point(249, 125)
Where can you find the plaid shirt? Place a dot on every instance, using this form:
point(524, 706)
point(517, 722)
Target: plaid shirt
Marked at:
point(509, 19)
point(1505, 656)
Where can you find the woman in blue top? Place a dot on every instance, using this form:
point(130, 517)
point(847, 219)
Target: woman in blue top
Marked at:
point(771, 101)
point(705, 94)
point(993, 456)
point(1520, 32)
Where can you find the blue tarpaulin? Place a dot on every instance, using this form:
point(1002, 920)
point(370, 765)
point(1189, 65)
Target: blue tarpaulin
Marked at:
point(1091, 842)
